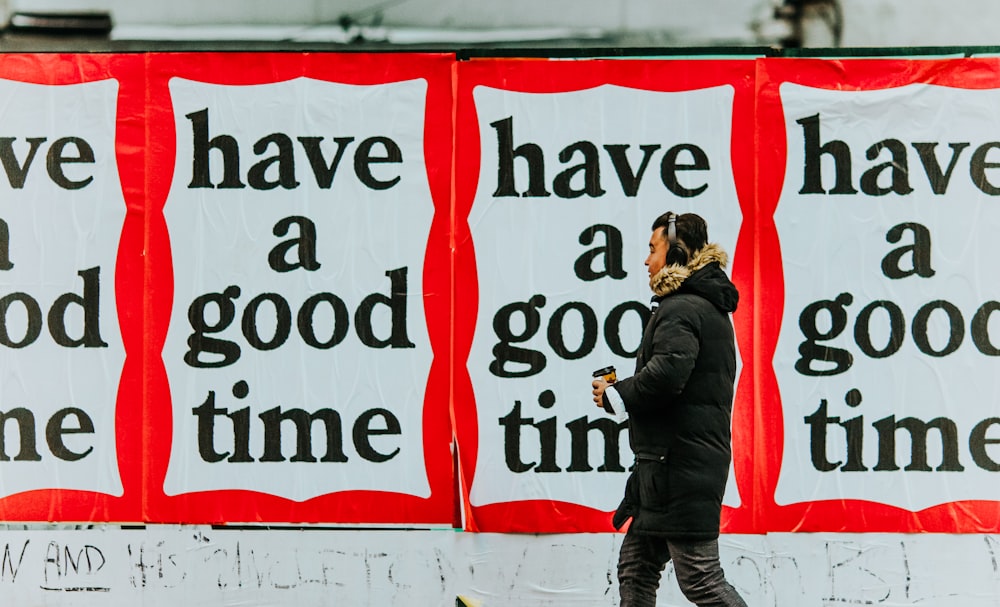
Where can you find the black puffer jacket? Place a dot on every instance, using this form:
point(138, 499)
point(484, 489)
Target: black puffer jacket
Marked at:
point(680, 403)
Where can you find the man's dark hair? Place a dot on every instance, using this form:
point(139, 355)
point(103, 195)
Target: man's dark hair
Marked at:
point(691, 229)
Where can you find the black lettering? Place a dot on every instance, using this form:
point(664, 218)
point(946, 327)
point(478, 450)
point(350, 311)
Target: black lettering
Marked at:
point(304, 245)
point(323, 172)
point(630, 181)
point(503, 328)
point(26, 431)
point(56, 429)
point(90, 301)
point(978, 443)
point(226, 144)
point(282, 321)
point(590, 166)
point(396, 301)
point(978, 167)
point(306, 320)
point(920, 252)
point(611, 252)
point(303, 422)
point(5, 262)
point(613, 330)
point(810, 350)
point(57, 157)
point(547, 435)
point(839, 151)
point(938, 179)
point(363, 430)
point(897, 166)
point(364, 158)
point(588, 333)
point(609, 430)
point(862, 329)
point(512, 423)
point(855, 432)
point(530, 152)
point(981, 329)
point(956, 332)
point(817, 422)
point(670, 165)
point(17, 172)
point(285, 159)
point(206, 414)
point(199, 341)
point(33, 327)
point(887, 427)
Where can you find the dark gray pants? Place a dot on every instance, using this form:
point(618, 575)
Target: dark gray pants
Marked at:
point(699, 573)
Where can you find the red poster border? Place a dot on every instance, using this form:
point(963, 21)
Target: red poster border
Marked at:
point(145, 153)
point(556, 76)
point(66, 69)
point(971, 516)
point(346, 507)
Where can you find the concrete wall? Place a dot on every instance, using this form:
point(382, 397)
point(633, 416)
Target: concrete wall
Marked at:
point(201, 566)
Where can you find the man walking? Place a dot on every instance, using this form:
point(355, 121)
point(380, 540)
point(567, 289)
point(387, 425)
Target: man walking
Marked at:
point(679, 407)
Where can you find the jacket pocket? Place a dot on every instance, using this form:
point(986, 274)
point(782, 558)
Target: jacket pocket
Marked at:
point(626, 509)
point(653, 481)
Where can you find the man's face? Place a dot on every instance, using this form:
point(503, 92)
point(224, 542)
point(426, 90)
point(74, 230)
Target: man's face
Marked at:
point(657, 252)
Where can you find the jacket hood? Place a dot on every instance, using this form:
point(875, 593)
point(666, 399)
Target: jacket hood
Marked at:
point(703, 276)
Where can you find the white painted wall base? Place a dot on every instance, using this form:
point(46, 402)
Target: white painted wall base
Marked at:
point(201, 566)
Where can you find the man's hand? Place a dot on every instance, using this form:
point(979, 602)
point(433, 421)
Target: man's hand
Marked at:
point(599, 387)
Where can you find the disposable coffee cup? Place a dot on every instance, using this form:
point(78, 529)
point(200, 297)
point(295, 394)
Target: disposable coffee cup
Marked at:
point(607, 373)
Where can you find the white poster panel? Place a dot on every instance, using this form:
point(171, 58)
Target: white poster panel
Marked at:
point(298, 351)
point(568, 188)
point(885, 362)
point(61, 351)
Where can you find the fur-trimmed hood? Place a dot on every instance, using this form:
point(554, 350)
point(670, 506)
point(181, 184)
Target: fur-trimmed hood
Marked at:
point(703, 275)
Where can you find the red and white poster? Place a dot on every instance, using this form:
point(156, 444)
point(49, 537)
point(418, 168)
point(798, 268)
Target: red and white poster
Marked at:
point(304, 308)
point(69, 272)
point(883, 241)
point(370, 289)
point(561, 169)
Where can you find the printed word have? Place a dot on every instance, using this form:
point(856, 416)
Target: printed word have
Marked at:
point(371, 151)
point(682, 157)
